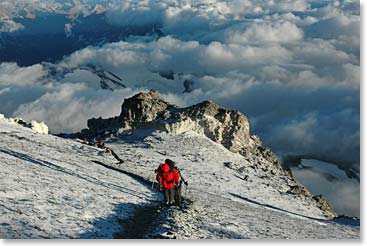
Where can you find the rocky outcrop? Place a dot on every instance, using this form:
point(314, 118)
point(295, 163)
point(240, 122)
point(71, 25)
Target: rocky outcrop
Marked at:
point(227, 127)
point(149, 110)
point(99, 124)
point(143, 108)
point(323, 205)
point(135, 113)
point(34, 125)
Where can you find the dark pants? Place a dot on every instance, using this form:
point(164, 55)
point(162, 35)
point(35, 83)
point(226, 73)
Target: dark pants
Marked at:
point(178, 196)
point(169, 195)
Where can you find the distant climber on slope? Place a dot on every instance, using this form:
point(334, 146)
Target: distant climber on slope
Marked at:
point(85, 140)
point(101, 145)
point(168, 178)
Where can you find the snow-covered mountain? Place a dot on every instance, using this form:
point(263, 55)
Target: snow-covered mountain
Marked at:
point(11, 9)
point(60, 188)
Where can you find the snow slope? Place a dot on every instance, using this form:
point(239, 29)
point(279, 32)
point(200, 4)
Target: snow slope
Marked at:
point(51, 188)
point(224, 204)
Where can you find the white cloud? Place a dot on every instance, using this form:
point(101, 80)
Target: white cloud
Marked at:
point(289, 5)
point(68, 106)
point(336, 26)
point(348, 189)
point(136, 13)
point(10, 26)
point(284, 32)
point(11, 73)
point(351, 74)
point(320, 53)
point(298, 131)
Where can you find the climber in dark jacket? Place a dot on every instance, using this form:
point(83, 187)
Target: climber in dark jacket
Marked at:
point(178, 187)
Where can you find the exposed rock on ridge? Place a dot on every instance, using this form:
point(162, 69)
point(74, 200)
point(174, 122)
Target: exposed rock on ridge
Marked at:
point(149, 110)
point(34, 125)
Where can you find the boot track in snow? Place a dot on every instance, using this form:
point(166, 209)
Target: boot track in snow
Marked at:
point(141, 224)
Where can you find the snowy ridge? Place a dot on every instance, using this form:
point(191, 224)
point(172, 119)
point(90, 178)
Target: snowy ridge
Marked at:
point(205, 163)
point(55, 188)
point(51, 188)
point(223, 204)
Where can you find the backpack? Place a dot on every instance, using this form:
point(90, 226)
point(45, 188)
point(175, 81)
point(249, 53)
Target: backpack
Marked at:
point(172, 165)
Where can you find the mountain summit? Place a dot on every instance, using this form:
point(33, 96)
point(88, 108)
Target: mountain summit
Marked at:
point(149, 110)
point(229, 128)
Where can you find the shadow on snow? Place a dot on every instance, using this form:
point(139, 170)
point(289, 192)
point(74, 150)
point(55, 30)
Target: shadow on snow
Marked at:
point(84, 177)
point(134, 221)
point(347, 221)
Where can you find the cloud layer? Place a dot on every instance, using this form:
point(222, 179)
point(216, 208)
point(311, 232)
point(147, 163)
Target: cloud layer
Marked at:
point(9, 26)
point(291, 66)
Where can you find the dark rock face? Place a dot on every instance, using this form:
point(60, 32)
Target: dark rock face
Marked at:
point(96, 125)
point(324, 205)
point(143, 107)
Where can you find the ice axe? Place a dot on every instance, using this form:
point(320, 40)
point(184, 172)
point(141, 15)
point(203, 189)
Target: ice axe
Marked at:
point(153, 184)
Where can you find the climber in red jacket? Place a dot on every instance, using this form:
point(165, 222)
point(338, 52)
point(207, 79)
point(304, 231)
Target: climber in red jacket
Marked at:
point(168, 177)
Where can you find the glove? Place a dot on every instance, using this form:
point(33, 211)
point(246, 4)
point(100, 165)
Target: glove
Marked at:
point(186, 183)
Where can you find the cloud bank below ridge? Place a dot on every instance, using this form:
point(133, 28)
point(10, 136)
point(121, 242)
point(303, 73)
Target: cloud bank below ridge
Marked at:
point(291, 66)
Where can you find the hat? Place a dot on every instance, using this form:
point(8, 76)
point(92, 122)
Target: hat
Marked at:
point(165, 168)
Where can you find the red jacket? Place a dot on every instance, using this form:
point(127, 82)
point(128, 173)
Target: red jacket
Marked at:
point(167, 178)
